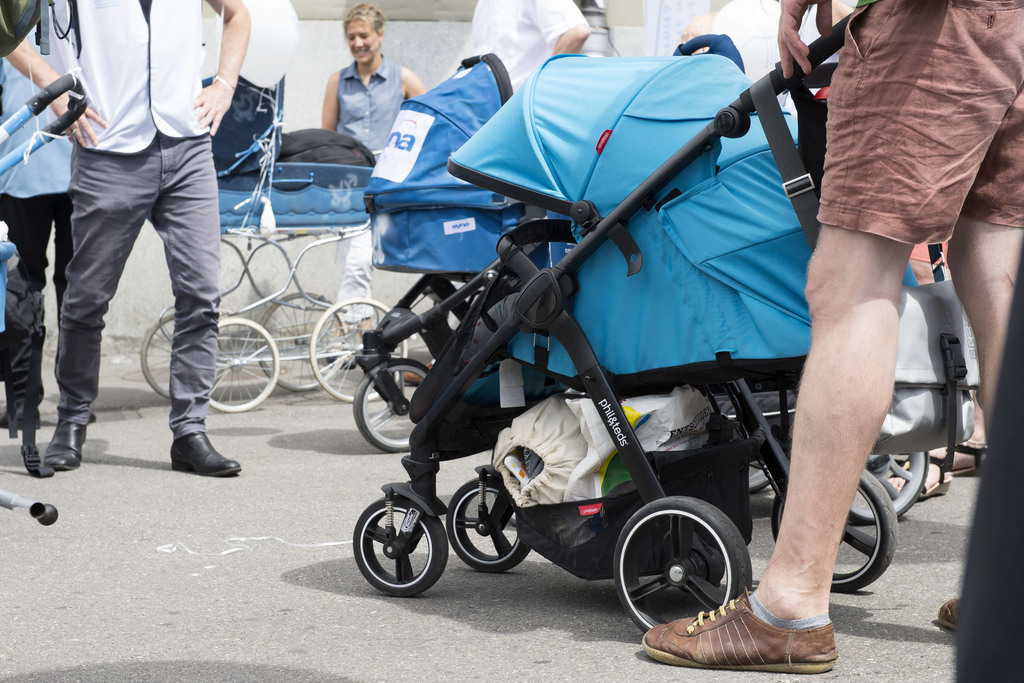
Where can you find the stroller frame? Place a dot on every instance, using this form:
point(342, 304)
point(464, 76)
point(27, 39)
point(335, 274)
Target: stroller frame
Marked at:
point(540, 306)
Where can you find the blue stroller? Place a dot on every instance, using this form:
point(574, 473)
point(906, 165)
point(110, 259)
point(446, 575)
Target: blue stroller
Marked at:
point(424, 220)
point(688, 269)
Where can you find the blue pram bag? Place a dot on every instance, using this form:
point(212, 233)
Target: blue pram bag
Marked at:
point(720, 291)
point(423, 218)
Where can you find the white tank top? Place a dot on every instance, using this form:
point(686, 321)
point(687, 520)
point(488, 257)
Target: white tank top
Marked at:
point(141, 77)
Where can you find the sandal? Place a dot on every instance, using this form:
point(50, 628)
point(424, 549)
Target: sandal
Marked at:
point(936, 487)
point(968, 467)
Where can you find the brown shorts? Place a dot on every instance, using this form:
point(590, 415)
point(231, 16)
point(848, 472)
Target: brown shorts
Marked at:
point(926, 119)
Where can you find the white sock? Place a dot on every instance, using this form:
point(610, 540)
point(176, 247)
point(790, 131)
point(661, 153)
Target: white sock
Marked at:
point(762, 613)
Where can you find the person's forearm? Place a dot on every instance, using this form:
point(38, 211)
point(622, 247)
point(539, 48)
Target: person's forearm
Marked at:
point(26, 60)
point(235, 40)
point(572, 40)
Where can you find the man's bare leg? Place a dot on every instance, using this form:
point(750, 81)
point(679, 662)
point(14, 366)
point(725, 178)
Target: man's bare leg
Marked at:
point(853, 287)
point(984, 258)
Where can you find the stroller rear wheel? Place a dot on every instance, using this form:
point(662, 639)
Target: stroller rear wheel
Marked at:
point(479, 530)
point(244, 350)
point(676, 549)
point(376, 417)
point(400, 550)
point(866, 549)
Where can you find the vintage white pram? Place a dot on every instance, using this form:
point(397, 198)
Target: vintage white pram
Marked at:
point(265, 204)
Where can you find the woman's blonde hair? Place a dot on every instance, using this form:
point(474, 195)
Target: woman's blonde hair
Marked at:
point(368, 13)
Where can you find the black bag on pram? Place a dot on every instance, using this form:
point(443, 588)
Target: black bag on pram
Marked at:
point(321, 146)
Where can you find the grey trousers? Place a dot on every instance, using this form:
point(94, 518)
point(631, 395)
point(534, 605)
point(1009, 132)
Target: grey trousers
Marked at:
point(172, 182)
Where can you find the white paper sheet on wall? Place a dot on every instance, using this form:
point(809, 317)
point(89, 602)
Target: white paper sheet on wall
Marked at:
point(665, 21)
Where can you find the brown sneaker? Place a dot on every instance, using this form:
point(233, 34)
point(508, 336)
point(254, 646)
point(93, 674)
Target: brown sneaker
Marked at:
point(731, 637)
point(948, 612)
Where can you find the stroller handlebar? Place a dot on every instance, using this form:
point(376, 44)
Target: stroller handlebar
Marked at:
point(820, 50)
point(76, 104)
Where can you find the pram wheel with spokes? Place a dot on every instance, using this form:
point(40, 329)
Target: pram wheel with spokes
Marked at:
point(155, 355)
point(479, 525)
point(336, 339)
point(399, 549)
point(247, 366)
point(866, 549)
point(674, 550)
point(385, 423)
point(290, 320)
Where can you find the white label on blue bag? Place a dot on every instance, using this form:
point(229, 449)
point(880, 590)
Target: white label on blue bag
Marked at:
point(459, 225)
point(403, 146)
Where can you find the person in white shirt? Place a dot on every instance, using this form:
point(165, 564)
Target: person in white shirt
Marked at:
point(524, 33)
point(143, 152)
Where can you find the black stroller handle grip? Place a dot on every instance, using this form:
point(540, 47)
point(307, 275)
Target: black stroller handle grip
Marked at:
point(41, 100)
point(76, 105)
point(820, 50)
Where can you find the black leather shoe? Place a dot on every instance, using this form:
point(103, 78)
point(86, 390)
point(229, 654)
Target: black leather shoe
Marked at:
point(65, 450)
point(194, 453)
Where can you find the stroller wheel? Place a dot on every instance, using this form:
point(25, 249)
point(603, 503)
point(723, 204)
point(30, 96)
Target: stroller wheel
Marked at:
point(673, 552)
point(375, 416)
point(912, 469)
point(155, 354)
point(244, 349)
point(403, 558)
point(483, 538)
point(336, 338)
point(866, 550)
point(290, 321)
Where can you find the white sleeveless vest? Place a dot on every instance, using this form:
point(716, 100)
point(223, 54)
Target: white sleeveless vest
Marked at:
point(142, 78)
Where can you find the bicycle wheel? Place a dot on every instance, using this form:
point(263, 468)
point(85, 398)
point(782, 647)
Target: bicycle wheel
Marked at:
point(290, 321)
point(336, 339)
point(241, 383)
point(155, 354)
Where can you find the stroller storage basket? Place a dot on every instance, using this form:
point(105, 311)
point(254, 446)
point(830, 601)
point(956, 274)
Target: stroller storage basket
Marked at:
point(580, 536)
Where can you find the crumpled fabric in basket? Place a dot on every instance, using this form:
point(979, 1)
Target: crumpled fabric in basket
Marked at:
point(552, 431)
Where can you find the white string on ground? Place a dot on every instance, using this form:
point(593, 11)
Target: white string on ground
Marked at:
point(238, 544)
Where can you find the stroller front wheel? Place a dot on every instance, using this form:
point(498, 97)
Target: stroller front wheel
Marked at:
point(401, 551)
point(673, 550)
point(481, 535)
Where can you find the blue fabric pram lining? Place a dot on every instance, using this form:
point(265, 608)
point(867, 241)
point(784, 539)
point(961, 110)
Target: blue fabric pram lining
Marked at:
point(423, 218)
point(722, 238)
point(301, 195)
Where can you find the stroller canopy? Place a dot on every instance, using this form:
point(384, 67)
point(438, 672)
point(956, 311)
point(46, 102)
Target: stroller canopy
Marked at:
point(583, 129)
point(724, 256)
point(411, 171)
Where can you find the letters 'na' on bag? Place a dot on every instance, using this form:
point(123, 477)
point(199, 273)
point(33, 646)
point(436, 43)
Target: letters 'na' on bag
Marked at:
point(17, 17)
point(936, 352)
